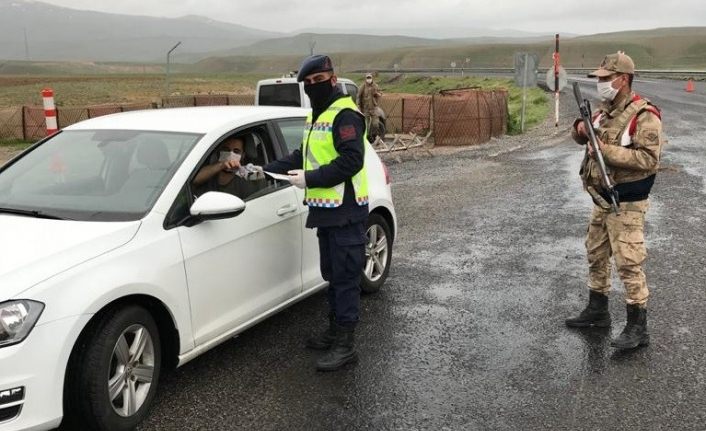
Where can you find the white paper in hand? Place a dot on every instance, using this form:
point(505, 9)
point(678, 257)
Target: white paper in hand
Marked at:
point(277, 176)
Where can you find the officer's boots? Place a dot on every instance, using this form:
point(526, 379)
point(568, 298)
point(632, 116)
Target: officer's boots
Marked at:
point(342, 351)
point(635, 332)
point(325, 339)
point(595, 314)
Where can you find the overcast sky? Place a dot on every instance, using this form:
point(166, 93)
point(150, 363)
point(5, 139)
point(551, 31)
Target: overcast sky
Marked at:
point(541, 16)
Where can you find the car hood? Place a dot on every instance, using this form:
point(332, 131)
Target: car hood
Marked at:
point(33, 250)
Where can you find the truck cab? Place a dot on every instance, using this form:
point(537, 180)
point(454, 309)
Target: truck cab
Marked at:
point(286, 91)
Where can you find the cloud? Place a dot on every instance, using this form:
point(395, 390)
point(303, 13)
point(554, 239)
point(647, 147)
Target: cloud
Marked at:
point(542, 16)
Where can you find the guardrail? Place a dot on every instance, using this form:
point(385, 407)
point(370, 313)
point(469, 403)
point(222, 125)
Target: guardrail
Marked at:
point(667, 73)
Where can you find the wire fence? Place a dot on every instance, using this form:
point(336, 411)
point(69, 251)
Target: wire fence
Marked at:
point(454, 117)
point(469, 116)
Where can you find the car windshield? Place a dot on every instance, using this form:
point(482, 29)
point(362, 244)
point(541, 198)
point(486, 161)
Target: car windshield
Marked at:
point(279, 95)
point(93, 175)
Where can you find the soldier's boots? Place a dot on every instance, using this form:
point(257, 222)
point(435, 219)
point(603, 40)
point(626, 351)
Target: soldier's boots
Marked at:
point(342, 351)
point(595, 314)
point(635, 332)
point(325, 339)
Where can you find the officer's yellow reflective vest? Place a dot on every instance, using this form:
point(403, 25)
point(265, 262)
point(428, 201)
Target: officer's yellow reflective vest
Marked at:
point(319, 151)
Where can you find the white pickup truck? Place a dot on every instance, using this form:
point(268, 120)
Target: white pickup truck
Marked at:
point(288, 92)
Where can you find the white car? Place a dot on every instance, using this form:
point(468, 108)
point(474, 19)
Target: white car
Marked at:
point(287, 91)
point(111, 267)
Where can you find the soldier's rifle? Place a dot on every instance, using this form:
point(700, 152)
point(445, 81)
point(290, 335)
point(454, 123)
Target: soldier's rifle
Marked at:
point(587, 117)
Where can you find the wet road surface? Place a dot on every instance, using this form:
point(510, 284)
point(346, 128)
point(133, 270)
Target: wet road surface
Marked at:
point(468, 332)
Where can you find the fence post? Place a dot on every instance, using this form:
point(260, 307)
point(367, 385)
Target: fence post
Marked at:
point(480, 124)
point(402, 121)
point(24, 123)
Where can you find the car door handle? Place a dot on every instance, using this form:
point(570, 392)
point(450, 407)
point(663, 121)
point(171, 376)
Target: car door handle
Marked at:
point(286, 210)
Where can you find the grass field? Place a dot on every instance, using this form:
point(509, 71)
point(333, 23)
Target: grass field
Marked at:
point(86, 90)
point(132, 88)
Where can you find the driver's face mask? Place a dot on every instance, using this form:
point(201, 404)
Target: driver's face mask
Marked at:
point(225, 156)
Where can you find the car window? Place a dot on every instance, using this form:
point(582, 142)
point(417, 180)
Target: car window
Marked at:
point(279, 95)
point(352, 90)
point(244, 182)
point(95, 175)
point(292, 130)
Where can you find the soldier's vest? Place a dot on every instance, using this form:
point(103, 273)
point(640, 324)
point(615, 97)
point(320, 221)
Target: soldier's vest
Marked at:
point(319, 151)
point(618, 131)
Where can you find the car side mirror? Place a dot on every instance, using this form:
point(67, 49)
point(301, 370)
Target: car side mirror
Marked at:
point(216, 206)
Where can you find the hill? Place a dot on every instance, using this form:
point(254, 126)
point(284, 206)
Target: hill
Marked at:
point(58, 33)
point(670, 48)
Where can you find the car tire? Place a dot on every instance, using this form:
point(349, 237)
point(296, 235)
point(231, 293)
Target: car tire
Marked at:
point(120, 354)
point(378, 252)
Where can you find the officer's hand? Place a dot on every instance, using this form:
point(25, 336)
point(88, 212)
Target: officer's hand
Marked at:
point(581, 129)
point(297, 178)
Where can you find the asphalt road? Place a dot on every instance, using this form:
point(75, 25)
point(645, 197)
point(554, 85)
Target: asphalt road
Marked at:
point(468, 332)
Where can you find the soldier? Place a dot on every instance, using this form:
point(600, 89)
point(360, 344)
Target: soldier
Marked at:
point(629, 132)
point(331, 167)
point(368, 96)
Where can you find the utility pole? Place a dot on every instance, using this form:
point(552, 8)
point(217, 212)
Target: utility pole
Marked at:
point(167, 77)
point(26, 45)
point(556, 82)
point(312, 44)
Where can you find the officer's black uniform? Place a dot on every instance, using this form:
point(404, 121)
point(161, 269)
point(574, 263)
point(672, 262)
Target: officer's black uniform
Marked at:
point(341, 230)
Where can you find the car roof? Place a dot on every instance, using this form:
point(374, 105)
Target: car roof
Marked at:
point(289, 80)
point(188, 120)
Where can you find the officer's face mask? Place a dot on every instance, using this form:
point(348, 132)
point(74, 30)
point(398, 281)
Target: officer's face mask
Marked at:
point(319, 93)
point(606, 90)
point(369, 80)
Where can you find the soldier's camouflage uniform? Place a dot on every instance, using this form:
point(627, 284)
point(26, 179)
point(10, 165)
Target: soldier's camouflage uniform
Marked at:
point(632, 164)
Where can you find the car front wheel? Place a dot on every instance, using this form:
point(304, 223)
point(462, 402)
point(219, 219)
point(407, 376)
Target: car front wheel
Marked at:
point(114, 371)
point(378, 254)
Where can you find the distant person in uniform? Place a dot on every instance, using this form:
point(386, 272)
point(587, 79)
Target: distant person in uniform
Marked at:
point(230, 174)
point(330, 166)
point(629, 130)
point(368, 99)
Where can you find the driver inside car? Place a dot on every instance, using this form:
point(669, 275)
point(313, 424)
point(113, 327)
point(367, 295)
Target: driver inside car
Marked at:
point(231, 173)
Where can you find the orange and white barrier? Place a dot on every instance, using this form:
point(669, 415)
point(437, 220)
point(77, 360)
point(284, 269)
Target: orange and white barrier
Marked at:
point(50, 111)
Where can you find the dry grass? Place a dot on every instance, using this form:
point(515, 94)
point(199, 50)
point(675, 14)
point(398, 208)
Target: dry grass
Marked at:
point(99, 89)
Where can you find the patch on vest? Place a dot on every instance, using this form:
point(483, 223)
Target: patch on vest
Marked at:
point(347, 132)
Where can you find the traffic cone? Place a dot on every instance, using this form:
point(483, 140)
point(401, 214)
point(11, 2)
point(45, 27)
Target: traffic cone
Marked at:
point(690, 86)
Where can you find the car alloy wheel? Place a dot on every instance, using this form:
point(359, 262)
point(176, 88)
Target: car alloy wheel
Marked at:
point(131, 370)
point(375, 253)
point(378, 254)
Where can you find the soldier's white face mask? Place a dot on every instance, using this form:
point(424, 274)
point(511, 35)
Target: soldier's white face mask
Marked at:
point(606, 90)
point(369, 80)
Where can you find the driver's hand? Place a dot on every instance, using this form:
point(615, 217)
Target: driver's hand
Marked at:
point(230, 165)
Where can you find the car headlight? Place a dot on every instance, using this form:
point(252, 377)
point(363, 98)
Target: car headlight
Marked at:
point(17, 318)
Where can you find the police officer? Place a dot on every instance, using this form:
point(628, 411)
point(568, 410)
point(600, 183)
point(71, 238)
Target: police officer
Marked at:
point(629, 129)
point(330, 166)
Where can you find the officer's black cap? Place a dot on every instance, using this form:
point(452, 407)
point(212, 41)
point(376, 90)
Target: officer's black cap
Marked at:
point(314, 64)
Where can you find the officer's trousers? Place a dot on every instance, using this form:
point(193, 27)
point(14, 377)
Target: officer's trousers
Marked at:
point(342, 251)
point(621, 236)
